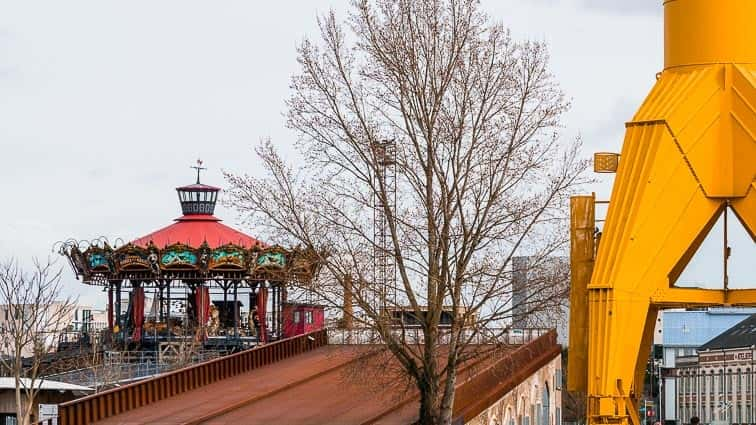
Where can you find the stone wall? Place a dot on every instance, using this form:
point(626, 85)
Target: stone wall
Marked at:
point(524, 405)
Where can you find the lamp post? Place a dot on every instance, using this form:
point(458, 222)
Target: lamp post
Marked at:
point(661, 395)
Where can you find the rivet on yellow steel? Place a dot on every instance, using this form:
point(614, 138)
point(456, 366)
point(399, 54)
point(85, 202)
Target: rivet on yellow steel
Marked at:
point(689, 153)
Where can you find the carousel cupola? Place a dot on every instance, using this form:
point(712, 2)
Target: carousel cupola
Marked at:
point(198, 198)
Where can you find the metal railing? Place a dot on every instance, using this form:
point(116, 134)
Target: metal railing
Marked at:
point(87, 326)
point(108, 403)
point(491, 381)
point(128, 366)
point(417, 336)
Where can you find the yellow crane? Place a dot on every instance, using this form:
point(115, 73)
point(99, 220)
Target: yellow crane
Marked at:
point(689, 154)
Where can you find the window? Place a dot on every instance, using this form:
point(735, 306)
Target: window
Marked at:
point(698, 384)
point(721, 381)
point(297, 317)
point(308, 317)
point(736, 382)
point(8, 418)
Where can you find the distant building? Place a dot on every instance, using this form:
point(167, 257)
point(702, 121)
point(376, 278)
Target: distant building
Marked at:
point(682, 332)
point(15, 313)
point(89, 319)
point(716, 383)
point(50, 392)
point(540, 295)
point(80, 319)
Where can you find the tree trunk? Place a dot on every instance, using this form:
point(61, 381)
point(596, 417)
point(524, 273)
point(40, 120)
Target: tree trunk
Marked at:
point(429, 406)
point(21, 408)
point(19, 405)
point(447, 402)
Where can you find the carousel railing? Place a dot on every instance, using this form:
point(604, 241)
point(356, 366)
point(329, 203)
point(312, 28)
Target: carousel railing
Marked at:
point(108, 403)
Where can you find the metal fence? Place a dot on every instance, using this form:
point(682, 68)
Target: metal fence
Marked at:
point(108, 403)
point(118, 367)
point(87, 326)
point(417, 336)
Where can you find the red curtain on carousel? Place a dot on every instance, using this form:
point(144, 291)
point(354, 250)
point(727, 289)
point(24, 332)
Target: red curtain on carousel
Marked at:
point(202, 301)
point(137, 313)
point(262, 302)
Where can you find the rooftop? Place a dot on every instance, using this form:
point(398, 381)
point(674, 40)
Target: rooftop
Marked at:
point(742, 334)
point(9, 383)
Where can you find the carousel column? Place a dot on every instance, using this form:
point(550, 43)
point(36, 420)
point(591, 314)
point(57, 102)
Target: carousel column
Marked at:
point(253, 310)
point(236, 312)
point(110, 307)
point(119, 322)
point(158, 296)
point(169, 326)
point(224, 310)
point(279, 312)
point(272, 310)
point(274, 306)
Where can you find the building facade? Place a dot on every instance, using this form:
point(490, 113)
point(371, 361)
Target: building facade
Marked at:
point(716, 383)
point(716, 386)
point(681, 332)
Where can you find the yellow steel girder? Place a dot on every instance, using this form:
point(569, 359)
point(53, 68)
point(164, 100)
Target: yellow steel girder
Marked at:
point(689, 154)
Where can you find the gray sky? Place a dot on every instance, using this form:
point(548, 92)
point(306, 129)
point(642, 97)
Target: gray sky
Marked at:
point(104, 104)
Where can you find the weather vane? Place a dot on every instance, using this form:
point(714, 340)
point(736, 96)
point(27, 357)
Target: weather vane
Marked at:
point(199, 168)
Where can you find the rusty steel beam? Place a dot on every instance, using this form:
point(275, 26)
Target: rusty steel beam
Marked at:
point(490, 385)
point(86, 410)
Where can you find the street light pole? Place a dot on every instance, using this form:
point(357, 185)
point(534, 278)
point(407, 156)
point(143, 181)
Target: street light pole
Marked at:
point(661, 397)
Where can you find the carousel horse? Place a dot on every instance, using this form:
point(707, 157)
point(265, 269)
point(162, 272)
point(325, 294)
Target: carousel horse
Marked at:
point(214, 325)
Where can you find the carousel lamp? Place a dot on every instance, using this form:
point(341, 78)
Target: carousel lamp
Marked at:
point(605, 162)
point(198, 198)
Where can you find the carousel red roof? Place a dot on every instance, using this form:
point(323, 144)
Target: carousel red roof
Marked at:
point(195, 229)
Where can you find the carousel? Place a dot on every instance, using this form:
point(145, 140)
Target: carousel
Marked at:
point(199, 279)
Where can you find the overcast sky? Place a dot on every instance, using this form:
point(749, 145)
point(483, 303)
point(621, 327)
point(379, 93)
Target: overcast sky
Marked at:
point(104, 105)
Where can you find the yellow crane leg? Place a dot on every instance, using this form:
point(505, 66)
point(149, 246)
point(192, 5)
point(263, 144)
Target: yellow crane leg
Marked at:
point(689, 154)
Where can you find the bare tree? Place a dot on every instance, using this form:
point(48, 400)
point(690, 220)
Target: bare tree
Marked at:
point(34, 314)
point(478, 174)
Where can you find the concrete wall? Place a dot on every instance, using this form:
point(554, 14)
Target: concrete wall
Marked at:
point(527, 400)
